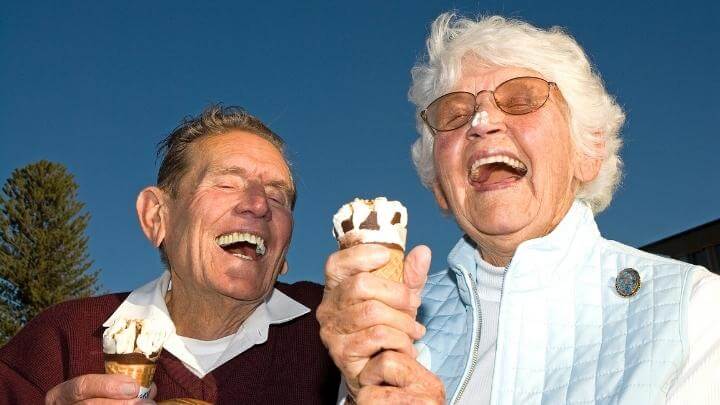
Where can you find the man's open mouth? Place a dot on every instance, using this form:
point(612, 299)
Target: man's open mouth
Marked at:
point(495, 171)
point(244, 245)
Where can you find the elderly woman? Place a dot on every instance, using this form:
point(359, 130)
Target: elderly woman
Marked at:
point(519, 142)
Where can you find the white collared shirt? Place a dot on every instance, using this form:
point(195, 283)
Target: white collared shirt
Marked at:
point(202, 357)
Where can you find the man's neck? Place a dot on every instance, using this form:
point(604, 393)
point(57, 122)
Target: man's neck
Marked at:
point(204, 316)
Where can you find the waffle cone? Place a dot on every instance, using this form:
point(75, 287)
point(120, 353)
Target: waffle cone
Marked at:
point(393, 270)
point(142, 373)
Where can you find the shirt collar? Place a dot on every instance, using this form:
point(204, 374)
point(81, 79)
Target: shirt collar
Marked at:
point(148, 301)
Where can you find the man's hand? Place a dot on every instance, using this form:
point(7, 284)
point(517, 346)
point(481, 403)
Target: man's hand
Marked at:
point(394, 378)
point(362, 314)
point(98, 389)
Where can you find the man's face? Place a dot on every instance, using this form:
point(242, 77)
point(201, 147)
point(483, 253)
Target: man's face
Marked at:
point(229, 226)
point(531, 185)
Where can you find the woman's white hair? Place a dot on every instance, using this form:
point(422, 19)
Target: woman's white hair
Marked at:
point(595, 118)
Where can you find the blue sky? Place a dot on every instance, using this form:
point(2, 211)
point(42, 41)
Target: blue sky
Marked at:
point(95, 85)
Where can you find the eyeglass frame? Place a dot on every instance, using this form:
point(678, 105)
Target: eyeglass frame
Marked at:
point(423, 113)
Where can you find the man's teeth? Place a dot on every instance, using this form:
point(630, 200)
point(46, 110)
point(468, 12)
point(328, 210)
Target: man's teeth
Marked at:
point(235, 237)
point(514, 163)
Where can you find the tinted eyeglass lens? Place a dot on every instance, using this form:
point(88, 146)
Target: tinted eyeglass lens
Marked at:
point(451, 111)
point(522, 95)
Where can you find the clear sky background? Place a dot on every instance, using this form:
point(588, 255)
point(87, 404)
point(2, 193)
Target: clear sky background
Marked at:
point(95, 85)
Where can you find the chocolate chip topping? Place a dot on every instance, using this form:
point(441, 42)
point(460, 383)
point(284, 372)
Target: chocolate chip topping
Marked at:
point(395, 219)
point(370, 222)
point(347, 225)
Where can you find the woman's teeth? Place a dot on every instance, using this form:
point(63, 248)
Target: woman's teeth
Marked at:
point(514, 163)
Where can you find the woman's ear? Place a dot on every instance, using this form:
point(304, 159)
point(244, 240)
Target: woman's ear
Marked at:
point(440, 196)
point(151, 212)
point(587, 167)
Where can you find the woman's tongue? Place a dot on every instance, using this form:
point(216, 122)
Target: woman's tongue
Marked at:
point(493, 174)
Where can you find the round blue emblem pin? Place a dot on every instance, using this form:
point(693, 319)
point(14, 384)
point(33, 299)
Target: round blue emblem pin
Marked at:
point(627, 282)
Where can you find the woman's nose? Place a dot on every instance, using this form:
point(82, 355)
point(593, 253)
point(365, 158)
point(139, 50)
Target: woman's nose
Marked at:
point(488, 118)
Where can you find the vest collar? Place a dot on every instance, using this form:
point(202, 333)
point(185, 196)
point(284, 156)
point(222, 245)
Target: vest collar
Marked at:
point(556, 251)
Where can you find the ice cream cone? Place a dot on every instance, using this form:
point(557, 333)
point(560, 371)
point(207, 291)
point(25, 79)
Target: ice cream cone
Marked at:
point(134, 365)
point(142, 373)
point(393, 270)
point(374, 221)
point(131, 347)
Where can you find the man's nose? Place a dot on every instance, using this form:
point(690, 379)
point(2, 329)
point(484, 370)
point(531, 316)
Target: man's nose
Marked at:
point(253, 201)
point(488, 118)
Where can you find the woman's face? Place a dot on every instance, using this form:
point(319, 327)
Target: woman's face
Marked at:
point(508, 178)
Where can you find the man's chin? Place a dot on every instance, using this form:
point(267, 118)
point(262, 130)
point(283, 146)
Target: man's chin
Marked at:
point(243, 282)
point(243, 290)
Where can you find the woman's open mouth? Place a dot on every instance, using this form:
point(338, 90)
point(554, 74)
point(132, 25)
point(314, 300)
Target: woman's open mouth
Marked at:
point(496, 172)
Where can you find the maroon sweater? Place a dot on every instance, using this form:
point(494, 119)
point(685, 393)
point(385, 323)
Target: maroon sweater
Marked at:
point(65, 341)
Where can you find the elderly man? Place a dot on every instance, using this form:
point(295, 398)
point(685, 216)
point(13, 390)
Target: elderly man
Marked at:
point(519, 142)
point(221, 215)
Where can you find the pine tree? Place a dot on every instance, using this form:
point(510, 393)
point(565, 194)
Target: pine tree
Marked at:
point(43, 247)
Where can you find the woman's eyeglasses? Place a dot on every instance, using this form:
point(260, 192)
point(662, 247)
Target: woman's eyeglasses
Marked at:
point(517, 96)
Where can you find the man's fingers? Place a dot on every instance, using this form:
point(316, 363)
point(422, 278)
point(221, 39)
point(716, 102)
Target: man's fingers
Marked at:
point(114, 386)
point(372, 313)
point(392, 395)
point(366, 286)
point(348, 262)
point(104, 401)
point(417, 265)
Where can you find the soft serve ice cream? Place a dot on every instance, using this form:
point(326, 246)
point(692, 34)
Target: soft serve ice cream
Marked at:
point(374, 221)
point(131, 347)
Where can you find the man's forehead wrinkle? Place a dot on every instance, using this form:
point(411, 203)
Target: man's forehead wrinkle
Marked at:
point(281, 184)
point(222, 169)
point(241, 171)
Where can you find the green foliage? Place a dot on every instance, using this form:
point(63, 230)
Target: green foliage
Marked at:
point(43, 247)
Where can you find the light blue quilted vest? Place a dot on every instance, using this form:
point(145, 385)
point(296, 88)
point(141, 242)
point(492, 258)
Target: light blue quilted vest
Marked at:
point(565, 335)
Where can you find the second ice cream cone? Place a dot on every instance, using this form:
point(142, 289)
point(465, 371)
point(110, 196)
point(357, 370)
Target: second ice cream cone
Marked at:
point(142, 371)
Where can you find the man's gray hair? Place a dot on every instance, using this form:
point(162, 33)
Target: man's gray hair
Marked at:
point(595, 118)
point(215, 119)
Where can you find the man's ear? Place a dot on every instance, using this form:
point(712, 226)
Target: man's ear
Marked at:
point(284, 269)
point(440, 196)
point(152, 213)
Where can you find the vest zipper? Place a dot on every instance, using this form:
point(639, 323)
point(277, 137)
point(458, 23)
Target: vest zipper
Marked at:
point(477, 330)
point(477, 322)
